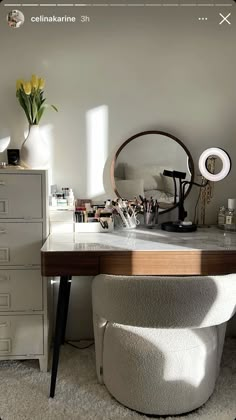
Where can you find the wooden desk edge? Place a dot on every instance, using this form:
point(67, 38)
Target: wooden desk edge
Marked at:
point(197, 262)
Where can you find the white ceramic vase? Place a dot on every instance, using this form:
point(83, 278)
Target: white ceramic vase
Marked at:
point(34, 150)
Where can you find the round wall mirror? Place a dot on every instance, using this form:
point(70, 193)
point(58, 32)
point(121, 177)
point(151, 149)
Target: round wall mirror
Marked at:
point(139, 163)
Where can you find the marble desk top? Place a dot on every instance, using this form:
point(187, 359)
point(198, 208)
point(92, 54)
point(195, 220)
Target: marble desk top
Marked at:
point(143, 239)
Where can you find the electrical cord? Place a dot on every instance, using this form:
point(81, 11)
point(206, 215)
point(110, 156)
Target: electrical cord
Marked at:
point(70, 342)
point(195, 183)
point(195, 208)
point(184, 185)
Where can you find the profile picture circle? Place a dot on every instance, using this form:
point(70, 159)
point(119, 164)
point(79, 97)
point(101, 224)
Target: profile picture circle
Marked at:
point(15, 19)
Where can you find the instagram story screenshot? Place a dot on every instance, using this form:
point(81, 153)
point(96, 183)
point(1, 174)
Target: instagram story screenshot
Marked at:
point(117, 209)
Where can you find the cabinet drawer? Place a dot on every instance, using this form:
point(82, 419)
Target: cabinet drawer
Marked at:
point(20, 243)
point(21, 290)
point(21, 335)
point(15, 196)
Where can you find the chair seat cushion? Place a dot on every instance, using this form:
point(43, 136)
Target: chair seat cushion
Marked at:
point(165, 301)
point(160, 371)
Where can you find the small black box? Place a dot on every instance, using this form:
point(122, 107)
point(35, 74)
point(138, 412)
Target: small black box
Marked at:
point(13, 156)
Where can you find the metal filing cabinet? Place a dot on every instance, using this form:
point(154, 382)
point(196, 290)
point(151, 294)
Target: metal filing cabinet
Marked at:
point(24, 319)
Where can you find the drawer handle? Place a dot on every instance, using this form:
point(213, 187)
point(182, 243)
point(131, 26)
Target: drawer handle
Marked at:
point(5, 346)
point(2, 231)
point(2, 183)
point(5, 278)
point(4, 324)
point(4, 300)
point(4, 255)
point(4, 206)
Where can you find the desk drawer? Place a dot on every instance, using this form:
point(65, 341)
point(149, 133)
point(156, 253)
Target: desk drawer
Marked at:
point(21, 335)
point(20, 243)
point(15, 193)
point(21, 290)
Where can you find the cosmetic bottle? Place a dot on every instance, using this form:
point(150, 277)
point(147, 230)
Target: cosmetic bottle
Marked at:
point(65, 191)
point(230, 219)
point(70, 198)
point(221, 216)
point(106, 215)
point(108, 207)
point(91, 215)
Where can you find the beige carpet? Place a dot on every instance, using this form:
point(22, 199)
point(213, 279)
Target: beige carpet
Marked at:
point(24, 391)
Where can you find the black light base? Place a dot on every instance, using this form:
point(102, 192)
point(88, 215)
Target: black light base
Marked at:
point(178, 227)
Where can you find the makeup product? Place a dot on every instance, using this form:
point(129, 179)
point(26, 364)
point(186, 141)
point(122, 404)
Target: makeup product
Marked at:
point(221, 216)
point(70, 198)
point(150, 212)
point(149, 219)
point(79, 202)
point(91, 215)
point(65, 191)
point(79, 216)
point(62, 202)
point(125, 214)
point(230, 215)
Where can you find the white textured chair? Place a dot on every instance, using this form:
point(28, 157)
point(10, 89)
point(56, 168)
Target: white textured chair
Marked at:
point(159, 340)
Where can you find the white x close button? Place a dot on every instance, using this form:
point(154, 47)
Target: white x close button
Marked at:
point(225, 19)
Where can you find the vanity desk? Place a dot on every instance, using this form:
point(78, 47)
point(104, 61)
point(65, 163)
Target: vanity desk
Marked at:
point(132, 252)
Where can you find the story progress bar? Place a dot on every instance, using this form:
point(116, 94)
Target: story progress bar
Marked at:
point(118, 5)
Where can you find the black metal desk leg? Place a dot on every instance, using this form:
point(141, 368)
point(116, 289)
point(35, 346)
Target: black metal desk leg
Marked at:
point(66, 309)
point(62, 309)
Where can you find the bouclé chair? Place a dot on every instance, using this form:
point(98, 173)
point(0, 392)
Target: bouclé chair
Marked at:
point(159, 339)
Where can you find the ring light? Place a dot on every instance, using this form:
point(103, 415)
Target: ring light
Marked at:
point(226, 164)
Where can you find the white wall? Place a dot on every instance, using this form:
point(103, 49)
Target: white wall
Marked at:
point(128, 70)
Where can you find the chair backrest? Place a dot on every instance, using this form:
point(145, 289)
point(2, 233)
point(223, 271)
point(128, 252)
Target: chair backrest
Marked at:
point(165, 301)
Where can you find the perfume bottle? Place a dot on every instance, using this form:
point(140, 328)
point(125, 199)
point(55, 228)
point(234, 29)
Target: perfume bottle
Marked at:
point(221, 216)
point(230, 215)
point(70, 198)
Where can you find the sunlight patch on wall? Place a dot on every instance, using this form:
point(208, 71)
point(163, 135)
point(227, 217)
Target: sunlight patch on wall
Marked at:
point(48, 137)
point(97, 149)
point(4, 142)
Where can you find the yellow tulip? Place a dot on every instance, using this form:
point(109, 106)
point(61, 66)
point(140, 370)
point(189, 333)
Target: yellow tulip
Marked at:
point(27, 88)
point(34, 81)
point(41, 83)
point(19, 83)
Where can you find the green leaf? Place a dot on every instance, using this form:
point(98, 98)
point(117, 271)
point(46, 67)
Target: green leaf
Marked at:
point(34, 109)
point(27, 103)
point(25, 108)
point(55, 109)
point(34, 104)
point(42, 109)
point(40, 113)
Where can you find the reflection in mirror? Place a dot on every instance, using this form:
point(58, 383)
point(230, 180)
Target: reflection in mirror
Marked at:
point(138, 167)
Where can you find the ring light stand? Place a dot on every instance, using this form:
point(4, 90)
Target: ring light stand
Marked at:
point(180, 225)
